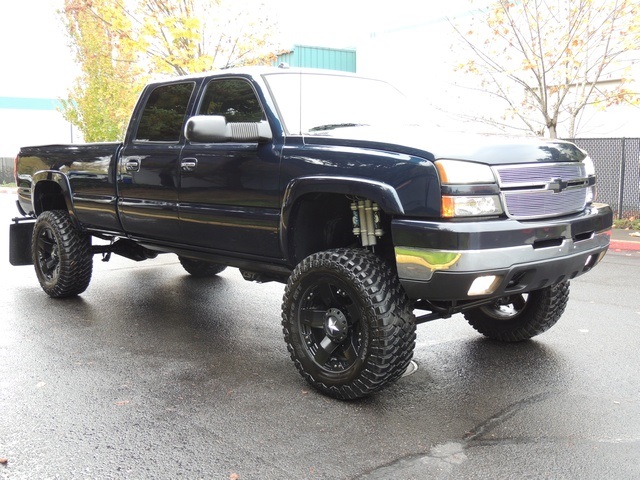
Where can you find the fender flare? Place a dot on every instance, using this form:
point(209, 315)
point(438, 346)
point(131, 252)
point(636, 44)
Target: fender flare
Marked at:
point(381, 193)
point(59, 179)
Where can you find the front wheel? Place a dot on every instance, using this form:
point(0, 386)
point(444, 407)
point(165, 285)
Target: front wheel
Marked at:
point(61, 255)
point(521, 316)
point(347, 323)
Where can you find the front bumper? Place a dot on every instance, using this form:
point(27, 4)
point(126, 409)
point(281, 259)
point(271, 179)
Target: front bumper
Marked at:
point(442, 260)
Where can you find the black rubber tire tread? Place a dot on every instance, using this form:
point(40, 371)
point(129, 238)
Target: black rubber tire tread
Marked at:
point(74, 256)
point(543, 309)
point(200, 268)
point(387, 313)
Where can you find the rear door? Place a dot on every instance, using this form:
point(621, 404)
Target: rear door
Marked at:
point(149, 172)
point(229, 195)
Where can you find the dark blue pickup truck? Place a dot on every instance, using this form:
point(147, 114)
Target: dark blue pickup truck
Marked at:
point(328, 183)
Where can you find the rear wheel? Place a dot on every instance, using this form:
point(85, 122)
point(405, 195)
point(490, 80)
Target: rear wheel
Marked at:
point(200, 268)
point(347, 323)
point(61, 255)
point(522, 316)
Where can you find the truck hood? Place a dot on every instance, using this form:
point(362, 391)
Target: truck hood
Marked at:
point(436, 144)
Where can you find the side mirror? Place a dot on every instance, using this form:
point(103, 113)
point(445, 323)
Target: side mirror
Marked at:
point(215, 129)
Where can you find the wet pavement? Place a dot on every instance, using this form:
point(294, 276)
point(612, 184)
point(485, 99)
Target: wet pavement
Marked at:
point(154, 374)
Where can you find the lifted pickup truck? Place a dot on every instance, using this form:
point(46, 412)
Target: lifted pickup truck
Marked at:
point(323, 181)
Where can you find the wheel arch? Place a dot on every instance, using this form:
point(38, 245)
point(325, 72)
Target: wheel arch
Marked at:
point(327, 198)
point(51, 191)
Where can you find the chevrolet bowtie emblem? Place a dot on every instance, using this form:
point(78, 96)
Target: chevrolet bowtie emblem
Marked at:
point(556, 185)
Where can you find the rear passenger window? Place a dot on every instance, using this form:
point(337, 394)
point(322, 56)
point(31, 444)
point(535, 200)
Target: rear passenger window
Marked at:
point(232, 98)
point(164, 114)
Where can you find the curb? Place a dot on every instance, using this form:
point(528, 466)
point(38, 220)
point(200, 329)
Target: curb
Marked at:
point(621, 245)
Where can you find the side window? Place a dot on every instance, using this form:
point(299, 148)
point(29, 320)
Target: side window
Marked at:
point(164, 113)
point(232, 98)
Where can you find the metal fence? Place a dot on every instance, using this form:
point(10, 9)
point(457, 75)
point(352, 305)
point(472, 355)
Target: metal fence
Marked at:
point(617, 162)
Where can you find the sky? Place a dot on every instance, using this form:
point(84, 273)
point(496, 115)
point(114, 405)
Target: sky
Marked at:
point(345, 23)
point(37, 62)
point(34, 55)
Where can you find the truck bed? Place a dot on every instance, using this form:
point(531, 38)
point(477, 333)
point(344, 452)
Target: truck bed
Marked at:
point(88, 172)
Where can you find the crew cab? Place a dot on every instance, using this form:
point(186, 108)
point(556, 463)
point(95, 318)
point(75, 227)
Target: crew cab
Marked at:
point(328, 183)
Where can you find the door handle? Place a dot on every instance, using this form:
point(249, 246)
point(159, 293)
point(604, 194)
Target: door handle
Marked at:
point(132, 165)
point(189, 164)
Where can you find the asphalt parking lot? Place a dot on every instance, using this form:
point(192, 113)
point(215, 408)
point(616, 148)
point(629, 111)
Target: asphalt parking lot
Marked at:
point(154, 374)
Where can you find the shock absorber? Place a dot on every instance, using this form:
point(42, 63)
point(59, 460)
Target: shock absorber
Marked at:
point(364, 224)
point(366, 221)
point(368, 209)
point(376, 221)
point(355, 218)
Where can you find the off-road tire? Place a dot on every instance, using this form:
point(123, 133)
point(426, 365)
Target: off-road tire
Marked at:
point(347, 323)
point(517, 318)
point(61, 255)
point(200, 268)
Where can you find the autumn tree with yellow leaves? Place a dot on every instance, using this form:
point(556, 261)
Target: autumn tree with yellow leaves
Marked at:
point(100, 101)
point(547, 60)
point(120, 44)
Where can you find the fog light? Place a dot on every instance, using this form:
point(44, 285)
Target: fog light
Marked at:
point(484, 285)
point(596, 260)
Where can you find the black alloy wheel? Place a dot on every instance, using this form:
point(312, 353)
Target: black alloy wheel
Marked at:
point(521, 316)
point(331, 325)
point(347, 322)
point(61, 255)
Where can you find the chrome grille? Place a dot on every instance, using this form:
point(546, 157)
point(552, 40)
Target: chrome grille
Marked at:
point(544, 203)
point(526, 191)
point(515, 175)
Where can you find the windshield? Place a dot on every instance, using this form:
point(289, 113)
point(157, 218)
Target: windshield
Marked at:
point(319, 103)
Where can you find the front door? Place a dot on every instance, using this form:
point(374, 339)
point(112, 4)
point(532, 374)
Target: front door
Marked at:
point(229, 198)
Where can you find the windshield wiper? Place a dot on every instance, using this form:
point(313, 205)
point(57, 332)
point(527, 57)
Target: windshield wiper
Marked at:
point(333, 126)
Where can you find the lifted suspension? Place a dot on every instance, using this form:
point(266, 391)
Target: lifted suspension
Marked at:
point(366, 222)
point(440, 310)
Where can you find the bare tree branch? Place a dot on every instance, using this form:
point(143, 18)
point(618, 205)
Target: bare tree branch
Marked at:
point(552, 56)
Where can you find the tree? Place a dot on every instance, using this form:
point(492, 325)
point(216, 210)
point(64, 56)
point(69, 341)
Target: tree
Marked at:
point(547, 60)
point(100, 101)
point(190, 36)
point(120, 43)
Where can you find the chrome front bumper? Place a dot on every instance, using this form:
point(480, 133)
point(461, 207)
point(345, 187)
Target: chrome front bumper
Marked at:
point(440, 261)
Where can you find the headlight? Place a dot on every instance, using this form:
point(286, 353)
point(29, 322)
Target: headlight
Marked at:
point(456, 172)
point(459, 206)
point(590, 170)
point(470, 189)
